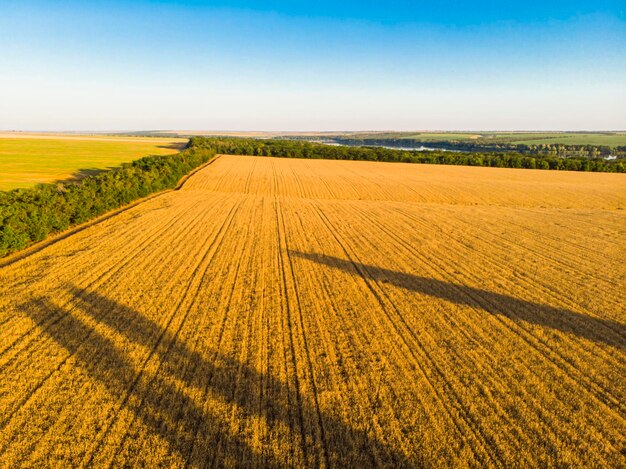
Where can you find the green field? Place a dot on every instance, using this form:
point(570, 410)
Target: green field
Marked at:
point(26, 160)
point(569, 138)
point(608, 139)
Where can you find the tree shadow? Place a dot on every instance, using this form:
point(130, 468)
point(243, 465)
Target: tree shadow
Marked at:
point(180, 146)
point(189, 428)
point(598, 330)
point(82, 173)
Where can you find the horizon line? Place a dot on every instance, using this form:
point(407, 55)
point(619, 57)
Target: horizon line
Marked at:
point(311, 131)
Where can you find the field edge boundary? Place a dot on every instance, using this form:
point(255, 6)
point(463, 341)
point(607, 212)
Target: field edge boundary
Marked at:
point(41, 245)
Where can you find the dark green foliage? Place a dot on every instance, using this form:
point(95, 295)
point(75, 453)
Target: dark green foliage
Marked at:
point(492, 146)
point(30, 215)
point(303, 149)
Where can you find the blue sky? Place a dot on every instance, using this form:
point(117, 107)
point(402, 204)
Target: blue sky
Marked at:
point(294, 65)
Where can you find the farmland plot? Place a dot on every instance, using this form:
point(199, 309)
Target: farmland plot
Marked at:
point(312, 313)
point(29, 159)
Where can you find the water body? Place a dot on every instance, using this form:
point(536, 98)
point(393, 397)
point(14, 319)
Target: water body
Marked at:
point(420, 148)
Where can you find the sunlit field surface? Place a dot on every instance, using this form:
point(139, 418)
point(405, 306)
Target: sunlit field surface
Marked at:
point(26, 160)
point(611, 139)
point(279, 312)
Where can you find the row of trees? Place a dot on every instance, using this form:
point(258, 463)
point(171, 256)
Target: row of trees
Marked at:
point(480, 145)
point(302, 149)
point(30, 215)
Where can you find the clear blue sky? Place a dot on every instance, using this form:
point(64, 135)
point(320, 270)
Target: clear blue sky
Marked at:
point(295, 65)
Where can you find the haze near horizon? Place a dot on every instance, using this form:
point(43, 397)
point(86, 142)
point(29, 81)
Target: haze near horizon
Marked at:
point(295, 66)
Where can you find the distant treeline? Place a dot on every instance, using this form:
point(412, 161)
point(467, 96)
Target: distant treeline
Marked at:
point(30, 215)
point(481, 146)
point(303, 149)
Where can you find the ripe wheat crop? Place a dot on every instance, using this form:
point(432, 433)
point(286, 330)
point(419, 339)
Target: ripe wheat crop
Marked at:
point(282, 312)
point(30, 159)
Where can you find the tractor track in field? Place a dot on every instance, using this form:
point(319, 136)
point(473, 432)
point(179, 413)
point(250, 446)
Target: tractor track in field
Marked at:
point(305, 313)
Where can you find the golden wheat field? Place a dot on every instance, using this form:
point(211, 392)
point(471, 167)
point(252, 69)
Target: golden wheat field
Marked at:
point(27, 159)
point(278, 312)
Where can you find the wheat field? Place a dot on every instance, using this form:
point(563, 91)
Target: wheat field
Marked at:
point(277, 312)
point(28, 159)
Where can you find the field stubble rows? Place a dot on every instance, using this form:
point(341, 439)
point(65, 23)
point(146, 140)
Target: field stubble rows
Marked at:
point(290, 312)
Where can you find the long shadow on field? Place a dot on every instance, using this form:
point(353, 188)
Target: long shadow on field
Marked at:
point(82, 173)
point(180, 146)
point(192, 399)
point(598, 330)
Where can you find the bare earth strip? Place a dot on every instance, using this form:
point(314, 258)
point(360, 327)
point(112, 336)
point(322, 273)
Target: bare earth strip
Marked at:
point(280, 312)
